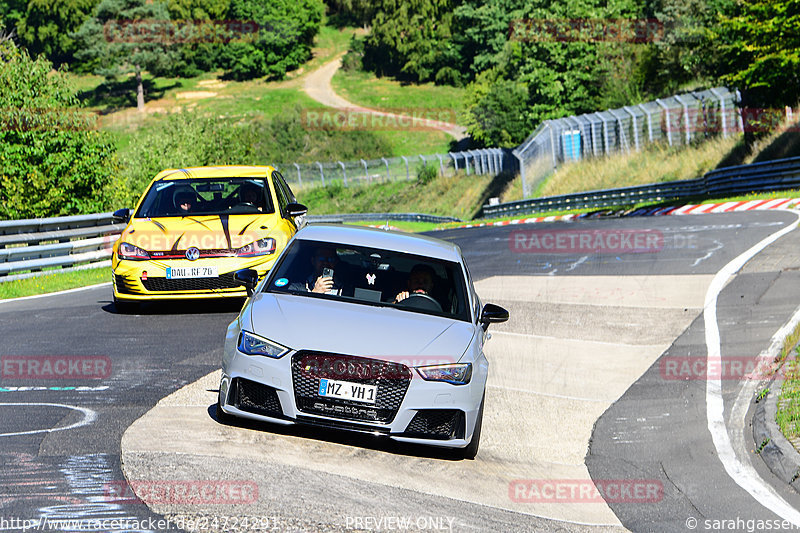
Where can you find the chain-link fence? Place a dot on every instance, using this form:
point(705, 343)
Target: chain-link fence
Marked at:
point(486, 161)
point(677, 120)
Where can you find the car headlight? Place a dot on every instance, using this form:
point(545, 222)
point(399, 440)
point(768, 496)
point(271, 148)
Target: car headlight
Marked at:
point(252, 344)
point(259, 247)
point(134, 253)
point(459, 374)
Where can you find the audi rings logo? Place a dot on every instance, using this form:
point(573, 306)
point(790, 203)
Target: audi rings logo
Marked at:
point(192, 254)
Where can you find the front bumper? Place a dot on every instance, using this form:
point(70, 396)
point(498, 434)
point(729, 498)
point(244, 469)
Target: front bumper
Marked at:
point(131, 284)
point(430, 413)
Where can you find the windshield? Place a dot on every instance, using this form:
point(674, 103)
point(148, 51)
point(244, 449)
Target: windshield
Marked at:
point(213, 196)
point(371, 276)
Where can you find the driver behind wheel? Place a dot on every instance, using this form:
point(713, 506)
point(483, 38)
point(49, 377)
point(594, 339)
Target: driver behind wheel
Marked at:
point(251, 195)
point(420, 281)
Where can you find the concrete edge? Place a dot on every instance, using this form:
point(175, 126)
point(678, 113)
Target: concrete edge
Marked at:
point(778, 454)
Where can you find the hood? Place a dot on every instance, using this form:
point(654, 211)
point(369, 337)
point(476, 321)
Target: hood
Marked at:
point(205, 232)
point(301, 322)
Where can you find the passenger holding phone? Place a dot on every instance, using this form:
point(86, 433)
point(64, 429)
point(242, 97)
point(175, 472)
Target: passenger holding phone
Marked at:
point(321, 280)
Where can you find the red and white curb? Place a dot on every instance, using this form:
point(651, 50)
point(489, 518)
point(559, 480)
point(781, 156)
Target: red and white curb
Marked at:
point(692, 209)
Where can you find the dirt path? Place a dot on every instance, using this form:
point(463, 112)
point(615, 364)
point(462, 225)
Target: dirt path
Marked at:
point(318, 86)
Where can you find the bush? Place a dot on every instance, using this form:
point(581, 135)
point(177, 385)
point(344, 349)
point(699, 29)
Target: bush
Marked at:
point(426, 173)
point(54, 161)
point(183, 140)
point(353, 60)
point(191, 139)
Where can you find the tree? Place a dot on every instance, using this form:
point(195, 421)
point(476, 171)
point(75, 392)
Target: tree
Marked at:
point(413, 40)
point(286, 30)
point(46, 27)
point(498, 112)
point(758, 50)
point(128, 36)
point(11, 11)
point(54, 161)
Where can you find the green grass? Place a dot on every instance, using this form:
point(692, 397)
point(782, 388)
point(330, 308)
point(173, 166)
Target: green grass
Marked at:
point(458, 196)
point(788, 415)
point(364, 88)
point(656, 163)
point(330, 42)
point(57, 281)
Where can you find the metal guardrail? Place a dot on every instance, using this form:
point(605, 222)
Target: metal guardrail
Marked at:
point(32, 245)
point(780, 174)
point(379, 217)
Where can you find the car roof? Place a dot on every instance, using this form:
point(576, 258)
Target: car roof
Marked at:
point(222, 171)
point(382, 239)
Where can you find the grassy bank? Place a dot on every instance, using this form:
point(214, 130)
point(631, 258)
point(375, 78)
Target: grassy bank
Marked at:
point(788, 415)
point(458, 196)
point(366, 89)
point(57, 281)
point(655, 163)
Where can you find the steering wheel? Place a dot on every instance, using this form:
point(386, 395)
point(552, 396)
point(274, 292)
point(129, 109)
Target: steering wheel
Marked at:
point(423, 301)
point(244, 205)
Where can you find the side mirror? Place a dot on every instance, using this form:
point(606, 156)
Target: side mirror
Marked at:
point(296, 210)
point(492, 314)
point(121, 215)
point(247, 277)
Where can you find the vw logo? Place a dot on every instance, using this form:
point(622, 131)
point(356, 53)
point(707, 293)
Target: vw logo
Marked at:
point(192, 254)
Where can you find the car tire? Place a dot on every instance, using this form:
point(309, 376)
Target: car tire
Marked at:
point(472, 448)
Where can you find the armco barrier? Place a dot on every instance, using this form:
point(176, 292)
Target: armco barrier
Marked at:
point(777, 175)
point(69, 241)
point(87, 240)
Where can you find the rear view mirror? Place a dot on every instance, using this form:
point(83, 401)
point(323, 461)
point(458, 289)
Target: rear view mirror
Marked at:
point(492, 314)
point(121, 215)
point(247, 277)
point(296, 210)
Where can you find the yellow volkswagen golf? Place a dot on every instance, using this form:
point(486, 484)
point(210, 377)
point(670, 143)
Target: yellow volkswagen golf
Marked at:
point(194, 227)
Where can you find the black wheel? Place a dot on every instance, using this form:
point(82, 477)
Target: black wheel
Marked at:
point(472, 448)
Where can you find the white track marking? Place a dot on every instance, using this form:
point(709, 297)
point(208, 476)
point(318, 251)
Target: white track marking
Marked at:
point(744, 475)
point(55, 293)
point(89, 416)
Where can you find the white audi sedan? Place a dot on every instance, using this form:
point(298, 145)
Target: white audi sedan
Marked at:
point(364, 330)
